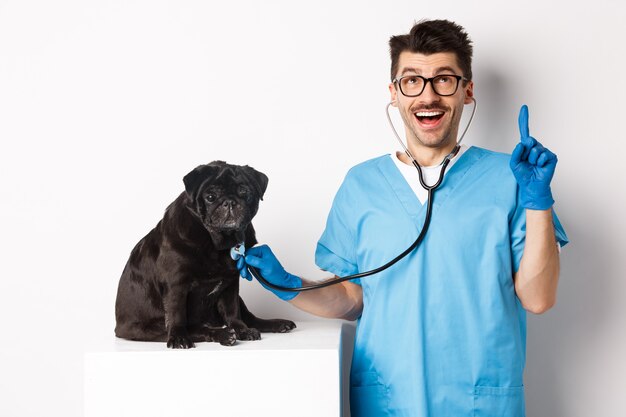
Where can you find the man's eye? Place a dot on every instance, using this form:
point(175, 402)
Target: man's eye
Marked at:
point(412, 80)
point(443, 79)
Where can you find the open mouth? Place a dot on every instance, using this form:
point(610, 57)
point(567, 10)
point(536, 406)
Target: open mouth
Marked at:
point(429, 119)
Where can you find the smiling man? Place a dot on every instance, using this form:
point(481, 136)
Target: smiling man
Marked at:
point(431, 116)
point(443, 332)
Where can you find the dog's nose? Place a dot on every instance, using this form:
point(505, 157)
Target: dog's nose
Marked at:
point(229, 204)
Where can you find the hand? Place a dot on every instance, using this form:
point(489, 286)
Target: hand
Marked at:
point(263, 259)
point(533, 167)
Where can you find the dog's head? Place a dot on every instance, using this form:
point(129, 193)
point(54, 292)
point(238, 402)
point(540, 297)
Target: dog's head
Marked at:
point(225, 197)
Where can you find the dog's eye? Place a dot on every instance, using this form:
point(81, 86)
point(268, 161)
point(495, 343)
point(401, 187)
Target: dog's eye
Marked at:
point(243, 191)
point(210, 197)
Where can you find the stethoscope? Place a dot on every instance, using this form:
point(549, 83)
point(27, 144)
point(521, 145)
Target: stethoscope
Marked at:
point(239, 250)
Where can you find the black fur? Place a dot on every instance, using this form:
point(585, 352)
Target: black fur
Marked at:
point(180, 285)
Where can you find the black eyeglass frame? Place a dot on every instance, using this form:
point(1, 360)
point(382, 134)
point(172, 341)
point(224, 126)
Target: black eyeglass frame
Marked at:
point(398, 82)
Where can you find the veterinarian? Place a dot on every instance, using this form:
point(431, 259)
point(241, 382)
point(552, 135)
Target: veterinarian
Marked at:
point(442, 332)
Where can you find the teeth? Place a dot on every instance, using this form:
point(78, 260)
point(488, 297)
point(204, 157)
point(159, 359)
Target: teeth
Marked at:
point(428, 113)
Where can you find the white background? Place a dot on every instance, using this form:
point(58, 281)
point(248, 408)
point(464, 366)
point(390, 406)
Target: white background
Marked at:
point(106, 105)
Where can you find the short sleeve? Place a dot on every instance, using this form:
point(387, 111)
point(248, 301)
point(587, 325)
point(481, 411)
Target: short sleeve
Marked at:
point(335, 250)
point(559, 232)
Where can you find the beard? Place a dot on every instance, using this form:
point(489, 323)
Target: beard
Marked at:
point(443, 137)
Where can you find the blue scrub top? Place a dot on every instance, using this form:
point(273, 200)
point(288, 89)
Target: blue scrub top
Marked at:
point(442, 332)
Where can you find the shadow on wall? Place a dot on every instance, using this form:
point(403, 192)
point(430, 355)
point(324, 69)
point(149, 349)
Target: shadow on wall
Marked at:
point(493, 123)
point(563, 337)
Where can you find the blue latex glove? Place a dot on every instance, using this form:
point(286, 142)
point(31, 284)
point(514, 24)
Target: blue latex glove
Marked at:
point(263, 259)
point(533, 167)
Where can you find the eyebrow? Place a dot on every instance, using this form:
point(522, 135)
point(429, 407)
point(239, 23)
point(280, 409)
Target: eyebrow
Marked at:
point(437, 71)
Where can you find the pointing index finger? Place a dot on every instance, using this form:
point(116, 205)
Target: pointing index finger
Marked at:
point(523, 123)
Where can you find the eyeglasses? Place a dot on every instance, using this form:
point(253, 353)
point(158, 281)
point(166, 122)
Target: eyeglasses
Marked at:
point(443, 85)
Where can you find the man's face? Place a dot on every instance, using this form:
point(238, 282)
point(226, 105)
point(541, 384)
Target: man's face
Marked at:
point(431, 120)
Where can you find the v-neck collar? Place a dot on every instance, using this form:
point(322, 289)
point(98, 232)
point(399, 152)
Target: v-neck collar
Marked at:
point(414, 208)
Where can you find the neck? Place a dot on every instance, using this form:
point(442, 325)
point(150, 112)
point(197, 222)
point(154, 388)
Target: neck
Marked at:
point(427, 156)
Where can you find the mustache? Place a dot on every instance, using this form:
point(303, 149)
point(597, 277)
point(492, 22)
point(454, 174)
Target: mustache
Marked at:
point(429, 107)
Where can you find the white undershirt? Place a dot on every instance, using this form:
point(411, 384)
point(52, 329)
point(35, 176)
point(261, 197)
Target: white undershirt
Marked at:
point(431, 174)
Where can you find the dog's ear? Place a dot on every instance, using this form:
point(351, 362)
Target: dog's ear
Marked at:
point(195, 178)
point(258, 179)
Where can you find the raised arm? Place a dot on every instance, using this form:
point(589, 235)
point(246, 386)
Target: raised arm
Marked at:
point(538, 275)
point(533, 166)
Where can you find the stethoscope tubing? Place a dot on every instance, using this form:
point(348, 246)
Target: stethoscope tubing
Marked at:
point(255, 272)
point(431, 196)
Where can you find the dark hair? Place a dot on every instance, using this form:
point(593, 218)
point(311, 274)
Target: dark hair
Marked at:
point(432, 36)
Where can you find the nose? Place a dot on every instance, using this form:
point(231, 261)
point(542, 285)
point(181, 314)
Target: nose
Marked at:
point(429, 95)
point(229, 204)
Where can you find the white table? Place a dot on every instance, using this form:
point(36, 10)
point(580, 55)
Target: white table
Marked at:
point(301, 373)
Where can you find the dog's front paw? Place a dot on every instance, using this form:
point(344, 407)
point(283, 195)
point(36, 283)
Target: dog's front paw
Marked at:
point(179, 339)
point(248, 334)
point(227, 337)
point(285, 326)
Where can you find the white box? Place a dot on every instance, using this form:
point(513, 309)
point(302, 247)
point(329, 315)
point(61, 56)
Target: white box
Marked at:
point(293, 374)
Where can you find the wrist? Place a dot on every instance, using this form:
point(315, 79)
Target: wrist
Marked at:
point(291, 281)
point(536, 199)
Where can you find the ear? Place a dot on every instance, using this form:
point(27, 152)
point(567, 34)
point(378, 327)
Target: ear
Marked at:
point(195, 178)
point(394, 94)
point(469, 92)
point(258, 179)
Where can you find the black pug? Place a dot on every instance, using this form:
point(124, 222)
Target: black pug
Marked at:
point(180, 285)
